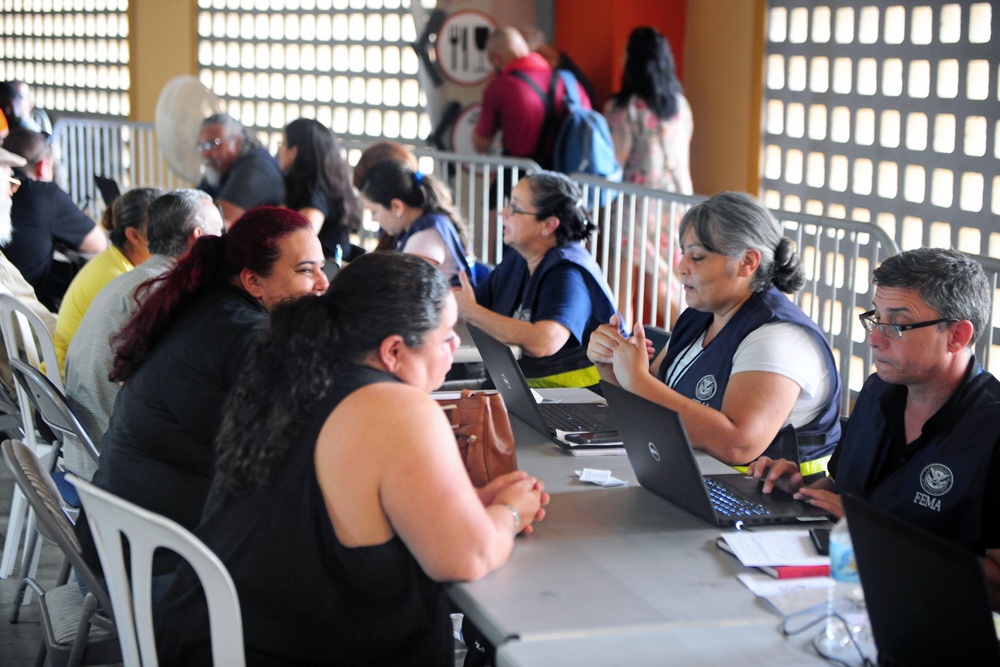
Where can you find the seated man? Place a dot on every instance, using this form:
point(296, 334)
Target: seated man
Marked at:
point(923, 441)
point(239, 172)
point(42, 214)
point(176, 220)
point(11, 280)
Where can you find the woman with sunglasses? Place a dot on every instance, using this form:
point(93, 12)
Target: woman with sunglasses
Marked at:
point(548, 295)
point(746, 369)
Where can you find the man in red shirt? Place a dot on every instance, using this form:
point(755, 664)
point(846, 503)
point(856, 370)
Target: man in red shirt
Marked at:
point(512, 106)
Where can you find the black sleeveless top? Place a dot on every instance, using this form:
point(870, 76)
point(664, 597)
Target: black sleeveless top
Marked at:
point(306, 599)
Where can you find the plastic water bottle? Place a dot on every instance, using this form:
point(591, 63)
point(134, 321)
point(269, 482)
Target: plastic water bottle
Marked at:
point(844, 594)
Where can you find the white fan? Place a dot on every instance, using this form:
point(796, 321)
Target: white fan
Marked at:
point(183, 103)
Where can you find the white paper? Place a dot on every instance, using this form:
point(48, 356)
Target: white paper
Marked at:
point(787, 596)
point(774, 547)
point(599, 477)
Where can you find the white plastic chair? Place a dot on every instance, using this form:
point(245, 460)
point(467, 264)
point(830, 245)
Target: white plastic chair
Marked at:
point(112, 518)
point(26, 338)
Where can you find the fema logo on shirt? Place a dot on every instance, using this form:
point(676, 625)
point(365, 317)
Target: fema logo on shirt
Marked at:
point(936, 479)
point(706, 388)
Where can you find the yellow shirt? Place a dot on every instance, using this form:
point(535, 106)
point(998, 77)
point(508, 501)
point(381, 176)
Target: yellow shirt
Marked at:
point(91, 279)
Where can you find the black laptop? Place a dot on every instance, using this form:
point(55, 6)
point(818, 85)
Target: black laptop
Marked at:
point(663, 461)
point(543, 417)
point(927, 598)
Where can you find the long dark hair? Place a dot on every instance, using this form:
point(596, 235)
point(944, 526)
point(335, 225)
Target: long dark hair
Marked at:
point(292, 365)
point(252, 243)
point(392, 179)
point(318, 165)
point(650, 73)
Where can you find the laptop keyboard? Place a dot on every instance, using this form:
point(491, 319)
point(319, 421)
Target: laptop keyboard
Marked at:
point(568, 418)
point(728, 504)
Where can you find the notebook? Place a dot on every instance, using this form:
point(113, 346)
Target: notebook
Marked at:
point(543, 417)
point(663, 461)
point(927, 598)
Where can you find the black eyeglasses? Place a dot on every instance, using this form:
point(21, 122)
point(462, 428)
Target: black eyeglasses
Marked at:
point(514, 210)
point(896, 330)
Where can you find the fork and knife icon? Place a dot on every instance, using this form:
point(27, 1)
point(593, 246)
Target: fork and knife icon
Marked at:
point(458, 34)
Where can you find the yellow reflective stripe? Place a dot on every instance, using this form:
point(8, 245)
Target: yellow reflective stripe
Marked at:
point(813, 467)
point(584, 377)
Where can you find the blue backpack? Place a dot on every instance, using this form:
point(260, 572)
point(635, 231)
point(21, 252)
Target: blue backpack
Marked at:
point(583, 141)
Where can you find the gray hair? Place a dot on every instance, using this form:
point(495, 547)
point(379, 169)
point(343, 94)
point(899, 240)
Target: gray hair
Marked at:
point(948, 281)
point(233, 128)
point(174, 216)
point(730, 223)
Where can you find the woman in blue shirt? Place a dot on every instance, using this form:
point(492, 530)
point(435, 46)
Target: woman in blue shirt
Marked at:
point(548, 295)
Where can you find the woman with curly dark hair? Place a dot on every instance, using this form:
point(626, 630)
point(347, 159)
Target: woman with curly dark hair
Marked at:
point(180, 353)
point(318, 185)
point(548, 295)
point(340, 501)
point(747, 370)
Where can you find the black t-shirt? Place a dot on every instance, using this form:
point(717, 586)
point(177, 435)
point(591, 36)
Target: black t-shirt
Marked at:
point(42, 213)
point(306, 598)
point(158, 452)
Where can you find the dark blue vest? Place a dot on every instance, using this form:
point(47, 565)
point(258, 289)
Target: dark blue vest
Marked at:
point(942, 487)
point(707, 377)
point(447, 231)
point(510, 288)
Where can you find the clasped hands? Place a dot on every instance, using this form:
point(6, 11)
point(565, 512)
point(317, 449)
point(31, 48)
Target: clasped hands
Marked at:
point(520, 490)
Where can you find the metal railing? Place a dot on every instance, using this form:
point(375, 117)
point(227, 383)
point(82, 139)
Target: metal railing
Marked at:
point(478, 183)
point(120, 150)
point(837, 255)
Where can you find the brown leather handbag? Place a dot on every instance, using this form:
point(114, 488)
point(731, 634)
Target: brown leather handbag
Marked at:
point(483, 432)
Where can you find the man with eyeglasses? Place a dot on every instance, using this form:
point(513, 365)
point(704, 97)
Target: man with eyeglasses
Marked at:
point(923, 440)
point(11, 280)
point(239, 172)
point(43, 215)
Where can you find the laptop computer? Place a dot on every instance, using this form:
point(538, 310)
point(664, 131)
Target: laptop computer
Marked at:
point(661, 456)
point(927, 598)
point(108, 187)
point(543, 417)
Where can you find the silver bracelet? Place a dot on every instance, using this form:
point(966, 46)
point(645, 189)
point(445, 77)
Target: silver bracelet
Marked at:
point(517, 517)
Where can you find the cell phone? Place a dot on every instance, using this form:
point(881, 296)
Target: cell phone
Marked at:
point(594, 439)
point(821, 540)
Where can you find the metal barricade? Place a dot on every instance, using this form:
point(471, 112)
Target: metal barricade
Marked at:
point(838, 257)
point(990, 338)
point(478, 183)
point(641, 278)
point(119, 150)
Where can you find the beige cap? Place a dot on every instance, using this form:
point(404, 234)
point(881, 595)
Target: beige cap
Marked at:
point(10, 159)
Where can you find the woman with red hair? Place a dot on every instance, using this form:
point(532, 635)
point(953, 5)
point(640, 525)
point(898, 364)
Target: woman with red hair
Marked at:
point(181, 352)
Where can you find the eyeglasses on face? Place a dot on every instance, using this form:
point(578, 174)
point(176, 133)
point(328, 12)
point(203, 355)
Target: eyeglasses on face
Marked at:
point(894, 331)
point(509, 208)
point(15, 184)
point(208, 145)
